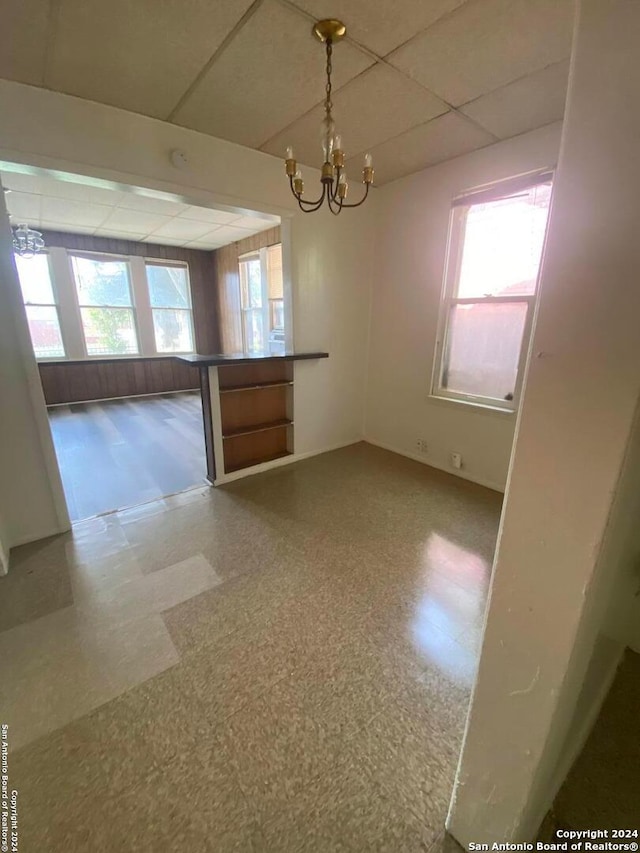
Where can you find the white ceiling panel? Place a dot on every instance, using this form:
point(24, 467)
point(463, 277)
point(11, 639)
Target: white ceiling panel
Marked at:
point(71, 228)
point(253, 223)
point(23, 40)
point(376, 105)
point(485, 44)
point(441, 139)
point(213, 217)
point(134, 221)
point(271, 73)
point(23, 207)
point(146, 204)
point(531, 102)
point(206, 245)
point(69, 212)
point(140, 55)
point(119, 235)
point(224, 235)
point(74, 191)
point(378, 24)
point(182, 229)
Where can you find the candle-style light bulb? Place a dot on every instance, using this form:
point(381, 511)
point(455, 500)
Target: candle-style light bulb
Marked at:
point(368, 161)
point(343, 178)
point(342, 185)
point(337, 142)
point(298, 175)
point(289, 155)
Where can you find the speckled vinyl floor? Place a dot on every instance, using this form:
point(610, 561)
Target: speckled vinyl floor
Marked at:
point(281, 664)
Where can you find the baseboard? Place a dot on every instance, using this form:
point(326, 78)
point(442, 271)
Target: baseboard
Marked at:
point(279, 463)
point(464, 475)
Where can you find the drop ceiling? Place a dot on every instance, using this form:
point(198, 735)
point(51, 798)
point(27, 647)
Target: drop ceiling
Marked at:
point(416, 82)
point(45, 203)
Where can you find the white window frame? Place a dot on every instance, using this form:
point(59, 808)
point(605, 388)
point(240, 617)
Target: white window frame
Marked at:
point(105, 257)
point(257, 255)
point(68, 305)
point(55, 304)
point(145, 302)
point(448, 300)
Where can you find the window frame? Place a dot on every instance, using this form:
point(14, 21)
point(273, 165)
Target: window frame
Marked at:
point(55, 304)
point(133, 307)
point(448, 300)
point(260, 256)
point(160, 262)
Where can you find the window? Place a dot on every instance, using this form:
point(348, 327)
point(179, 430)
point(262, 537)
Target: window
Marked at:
point(251, 302)
point(41, 306)
point(495, 249)
point(106, 308)
point(170, 299)
point(262, 300)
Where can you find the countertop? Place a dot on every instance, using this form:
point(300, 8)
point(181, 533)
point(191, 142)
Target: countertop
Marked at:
point(243, 358)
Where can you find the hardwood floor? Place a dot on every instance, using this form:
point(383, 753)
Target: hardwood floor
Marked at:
point(120, 453)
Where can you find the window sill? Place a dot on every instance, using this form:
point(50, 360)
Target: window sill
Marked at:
point(467, 404)
point(102, 359)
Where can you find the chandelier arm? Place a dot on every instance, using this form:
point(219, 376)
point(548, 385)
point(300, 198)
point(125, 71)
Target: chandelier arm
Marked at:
point(337, 202)
point(334, 184)
point(313, 206)
point(362, 200)
point(302, 201)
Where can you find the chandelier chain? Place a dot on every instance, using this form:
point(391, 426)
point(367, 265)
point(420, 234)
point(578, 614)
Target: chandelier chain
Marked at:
point(328, 105)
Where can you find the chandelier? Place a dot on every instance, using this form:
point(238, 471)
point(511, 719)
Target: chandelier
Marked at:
point(334, 177)
point(26, 241)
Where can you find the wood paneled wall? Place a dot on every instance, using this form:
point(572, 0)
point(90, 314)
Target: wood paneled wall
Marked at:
point(202, 276)
point(228, 279)
point(77, 381)
point(99, 379)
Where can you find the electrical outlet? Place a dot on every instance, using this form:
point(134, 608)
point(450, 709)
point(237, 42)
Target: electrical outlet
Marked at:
point(456, 460)
point(421, 445)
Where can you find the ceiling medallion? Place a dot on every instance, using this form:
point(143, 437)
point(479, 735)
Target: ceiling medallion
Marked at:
point(334, 176)
point(26, 241)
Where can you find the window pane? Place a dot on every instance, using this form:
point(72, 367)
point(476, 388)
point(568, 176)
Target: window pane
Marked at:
point(503, 245)
point(251, 283)
point(35, 280)
point(254, 336)
point(172, 329)
point(483, 349)
point(109, 331)
point(168, 286)
point(44, 327)
point(101, 282)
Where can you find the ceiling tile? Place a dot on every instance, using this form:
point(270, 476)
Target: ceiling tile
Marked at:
point(485, 44)
point(205, 245)
point(377, 105)
point(254, 223)
point(67, 212)
point(134, 221)
point(271, 73)
point(148, 204)
point(140, 55)
point(441, 139)
point(204, 214)
point(164, 241)
point(225, 234)
point(379, 25)
point(23, 37)
point(119, 235)
point(182, 229)
point(23, 207)
point(524, 105)
point(20, 182)
point(70, 227)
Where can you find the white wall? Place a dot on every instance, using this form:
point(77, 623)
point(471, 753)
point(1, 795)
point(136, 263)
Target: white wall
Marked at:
point(409, 267)
point(31, 499)
point(546, 605)
point(330, 259)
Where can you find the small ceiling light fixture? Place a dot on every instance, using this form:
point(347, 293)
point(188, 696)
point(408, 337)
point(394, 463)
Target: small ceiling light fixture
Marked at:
point(334, 176)
point(26, 241)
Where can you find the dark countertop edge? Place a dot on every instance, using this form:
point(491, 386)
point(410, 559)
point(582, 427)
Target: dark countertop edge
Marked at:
point(240, 358)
